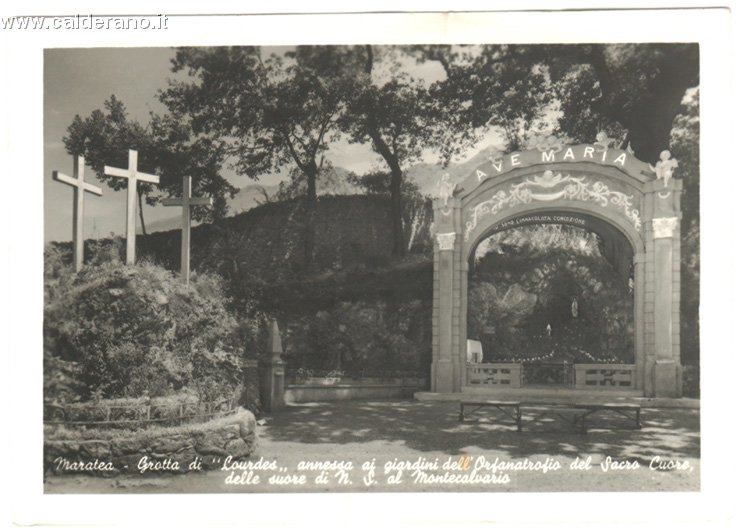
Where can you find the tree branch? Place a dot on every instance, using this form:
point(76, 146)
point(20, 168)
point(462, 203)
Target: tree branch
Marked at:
point(369, 65)
point(294, 154)
point(599, 64)
point(321, 135)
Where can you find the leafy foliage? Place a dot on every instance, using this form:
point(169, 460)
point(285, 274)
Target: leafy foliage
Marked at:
point(685, 147)
point(267, 113)
point(167, 147)
point(361, 337)
point(129, 331)
point(633, 91)
point(401, 117)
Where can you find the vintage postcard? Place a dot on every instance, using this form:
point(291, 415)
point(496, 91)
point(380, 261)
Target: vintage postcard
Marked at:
point(399, 254)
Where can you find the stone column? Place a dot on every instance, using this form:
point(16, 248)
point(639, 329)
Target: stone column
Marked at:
point(667, 370)
point(442, 364)
point(272, 373)
point(640, 361)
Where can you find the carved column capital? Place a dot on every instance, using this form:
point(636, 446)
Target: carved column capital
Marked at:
point(446, 241)
point(664, 227)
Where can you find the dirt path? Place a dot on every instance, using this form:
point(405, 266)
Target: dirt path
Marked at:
point(434, 452)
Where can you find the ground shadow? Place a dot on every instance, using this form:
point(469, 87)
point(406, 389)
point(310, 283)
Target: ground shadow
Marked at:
point(434, 426)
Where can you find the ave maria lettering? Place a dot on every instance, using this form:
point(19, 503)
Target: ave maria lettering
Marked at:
point(580, 153)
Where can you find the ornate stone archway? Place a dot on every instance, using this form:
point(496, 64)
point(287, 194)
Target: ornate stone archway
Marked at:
point(606, 184)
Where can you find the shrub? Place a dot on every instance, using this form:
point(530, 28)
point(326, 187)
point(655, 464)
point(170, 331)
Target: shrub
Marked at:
point(114, 330)
point(370, 338)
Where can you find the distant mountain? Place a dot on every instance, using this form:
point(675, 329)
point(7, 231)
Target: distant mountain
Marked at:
point(426, 175)
point(247, 197)
point(334, 182)
point(251, 196)
point(161, 225)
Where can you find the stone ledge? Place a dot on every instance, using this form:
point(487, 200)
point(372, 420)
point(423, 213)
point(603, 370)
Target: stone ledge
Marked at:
point(234, 435)
point(300, 393)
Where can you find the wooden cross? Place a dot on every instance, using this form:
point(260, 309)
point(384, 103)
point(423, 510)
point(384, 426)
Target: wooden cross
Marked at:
point(80, 187)
point(133, 176)
point(185, 202)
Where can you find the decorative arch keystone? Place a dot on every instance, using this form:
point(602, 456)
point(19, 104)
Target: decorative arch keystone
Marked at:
point(558, 182)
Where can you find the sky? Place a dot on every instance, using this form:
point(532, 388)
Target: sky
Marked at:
point(79, 80)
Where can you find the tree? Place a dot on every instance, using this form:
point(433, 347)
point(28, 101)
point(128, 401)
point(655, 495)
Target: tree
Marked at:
point(632, 90)
point(267, 114)
point(636, 88)
point(400, 117)
point(179, 151)
point(166, 146)
point(685, 147)
point(491, 87)
point(104, 138)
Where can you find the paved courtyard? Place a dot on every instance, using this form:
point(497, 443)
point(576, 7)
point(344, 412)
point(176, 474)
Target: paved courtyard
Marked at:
point(362, 445)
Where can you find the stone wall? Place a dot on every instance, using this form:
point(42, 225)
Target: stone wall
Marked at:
point(156, 449)
point(352, 390)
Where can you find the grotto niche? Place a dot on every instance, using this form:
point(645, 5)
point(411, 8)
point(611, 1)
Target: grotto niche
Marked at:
point(551, 296)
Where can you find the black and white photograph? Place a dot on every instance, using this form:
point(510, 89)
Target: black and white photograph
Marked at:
point(446, 261)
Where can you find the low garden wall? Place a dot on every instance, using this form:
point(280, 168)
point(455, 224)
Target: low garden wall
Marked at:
point(175, 449)
point(132, 413)
point(578, 375)
point(331, 389)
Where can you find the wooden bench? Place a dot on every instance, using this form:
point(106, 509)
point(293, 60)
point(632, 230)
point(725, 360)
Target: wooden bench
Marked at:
point(629, 411)
point(503, 406)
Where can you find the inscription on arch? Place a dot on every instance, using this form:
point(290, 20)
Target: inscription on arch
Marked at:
point(551, 187)
point(552, 152)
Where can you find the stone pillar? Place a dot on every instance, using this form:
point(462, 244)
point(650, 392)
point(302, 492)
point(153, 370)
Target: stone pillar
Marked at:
point(667, 369)
point(663, 283)
point(443, 376)
point(640, 361)
point(272, 373)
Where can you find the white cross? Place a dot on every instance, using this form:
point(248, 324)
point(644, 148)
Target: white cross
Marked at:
point(133, 176)
point(185, 202)
point(80, 187)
